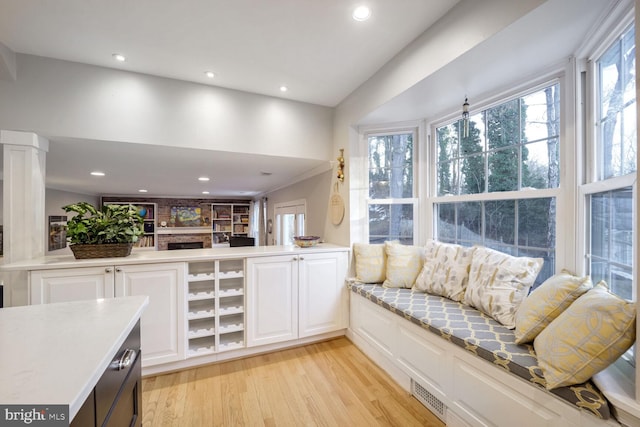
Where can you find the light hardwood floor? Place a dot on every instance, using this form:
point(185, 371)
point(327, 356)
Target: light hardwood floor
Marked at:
point(330, 383)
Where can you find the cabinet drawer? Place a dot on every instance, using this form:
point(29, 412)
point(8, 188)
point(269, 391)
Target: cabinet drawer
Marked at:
point(114, 377)
point(126, 410)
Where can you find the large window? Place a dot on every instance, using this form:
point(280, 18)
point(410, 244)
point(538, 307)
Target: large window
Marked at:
point(392, 207)
point(610, 192)
point(486, 168)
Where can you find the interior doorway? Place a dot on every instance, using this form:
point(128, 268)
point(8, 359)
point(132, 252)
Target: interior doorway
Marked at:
point(289, 221)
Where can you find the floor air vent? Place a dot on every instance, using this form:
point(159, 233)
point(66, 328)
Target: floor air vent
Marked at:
point(429, 400)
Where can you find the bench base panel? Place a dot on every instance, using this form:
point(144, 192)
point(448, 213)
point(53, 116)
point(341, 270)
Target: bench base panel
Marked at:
point(474, 391)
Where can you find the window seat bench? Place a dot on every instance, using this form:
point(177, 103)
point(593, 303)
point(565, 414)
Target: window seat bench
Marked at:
point(464, 364)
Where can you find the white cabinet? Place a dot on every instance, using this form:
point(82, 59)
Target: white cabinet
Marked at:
point(215, 306)
point(163, 320)
point(295, 296)
point(322, 294)
point(272, 299)
point(76, 284)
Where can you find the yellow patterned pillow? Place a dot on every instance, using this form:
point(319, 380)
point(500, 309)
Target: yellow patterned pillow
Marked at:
point(445, 271)
point(403, 264)
point(371, 261)
point(498, 283)
point(586, 338)
point(546, 302)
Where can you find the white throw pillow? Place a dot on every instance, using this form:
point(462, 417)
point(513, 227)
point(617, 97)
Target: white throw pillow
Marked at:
point(403, 264)
point(498, 283)
point(371, 261)
point(446, 270)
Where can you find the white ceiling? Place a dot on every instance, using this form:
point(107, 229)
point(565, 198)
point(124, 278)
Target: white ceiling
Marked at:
point(313, 47)
point(168, 171)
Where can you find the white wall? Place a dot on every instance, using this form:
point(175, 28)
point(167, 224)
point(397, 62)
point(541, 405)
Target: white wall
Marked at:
point(65, 99)
point(466, 26)
point(316, 191)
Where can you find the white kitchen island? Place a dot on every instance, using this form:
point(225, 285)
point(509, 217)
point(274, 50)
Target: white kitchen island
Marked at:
point(57, 353)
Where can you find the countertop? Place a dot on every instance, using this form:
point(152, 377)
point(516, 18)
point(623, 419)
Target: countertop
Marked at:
point(56, 353)
point(145, 257)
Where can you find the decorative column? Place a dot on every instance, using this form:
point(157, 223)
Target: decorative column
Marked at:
point(23, 206)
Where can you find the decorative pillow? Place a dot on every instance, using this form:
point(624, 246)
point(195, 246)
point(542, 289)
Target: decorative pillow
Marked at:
point(403, 264)
point(546, 302)
point(445, 271)
point(586, 338)
point(371, 262)
point(498, 283)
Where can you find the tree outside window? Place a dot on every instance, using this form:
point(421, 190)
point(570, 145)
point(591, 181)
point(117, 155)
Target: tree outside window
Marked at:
point(391, 191)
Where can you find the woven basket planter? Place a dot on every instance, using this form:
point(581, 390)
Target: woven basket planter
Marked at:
point(107, 250)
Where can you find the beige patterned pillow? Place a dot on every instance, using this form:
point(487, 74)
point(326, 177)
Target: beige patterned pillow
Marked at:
point(498, 283)
point(586, 338)
point(445, 271)
point(546, 302)
point(371, 261)
point(403, 264)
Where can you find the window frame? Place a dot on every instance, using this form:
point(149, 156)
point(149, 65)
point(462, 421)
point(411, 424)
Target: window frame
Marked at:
point(562, 194)
point(398, 129)
point(616, 25)
point(590, 183)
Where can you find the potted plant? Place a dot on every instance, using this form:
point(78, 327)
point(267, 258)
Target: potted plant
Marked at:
point(102, 233)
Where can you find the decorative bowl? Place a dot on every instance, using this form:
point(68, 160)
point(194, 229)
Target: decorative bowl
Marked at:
point(306, 241)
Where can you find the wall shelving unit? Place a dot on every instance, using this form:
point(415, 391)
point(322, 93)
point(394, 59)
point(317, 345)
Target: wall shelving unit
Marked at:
point(229, 219)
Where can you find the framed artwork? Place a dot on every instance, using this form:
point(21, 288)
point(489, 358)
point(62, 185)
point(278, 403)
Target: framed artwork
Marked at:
point(57, 232)
point(185, 216)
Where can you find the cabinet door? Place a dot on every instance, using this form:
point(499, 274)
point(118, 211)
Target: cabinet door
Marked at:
point(322, 306)
point(162, 323)
point(70, 284)
point(272, 300)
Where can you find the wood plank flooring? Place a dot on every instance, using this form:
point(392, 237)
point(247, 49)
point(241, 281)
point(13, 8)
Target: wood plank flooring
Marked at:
point(330, 383)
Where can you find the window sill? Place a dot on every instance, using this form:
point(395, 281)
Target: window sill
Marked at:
point(618, 385)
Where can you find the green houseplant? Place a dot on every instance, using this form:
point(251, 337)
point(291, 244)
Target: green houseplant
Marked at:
point(101, 233)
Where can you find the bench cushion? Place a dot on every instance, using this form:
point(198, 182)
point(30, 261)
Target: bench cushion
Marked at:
point(479, 334)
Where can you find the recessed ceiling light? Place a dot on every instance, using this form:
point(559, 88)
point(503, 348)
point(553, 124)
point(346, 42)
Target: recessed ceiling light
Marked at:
point(361, 13)
point(283, 88)
point(205, 192)
point(97, 173)
point(203, 178)
point(142, 190)
point(209, 74)
point(119, 57)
